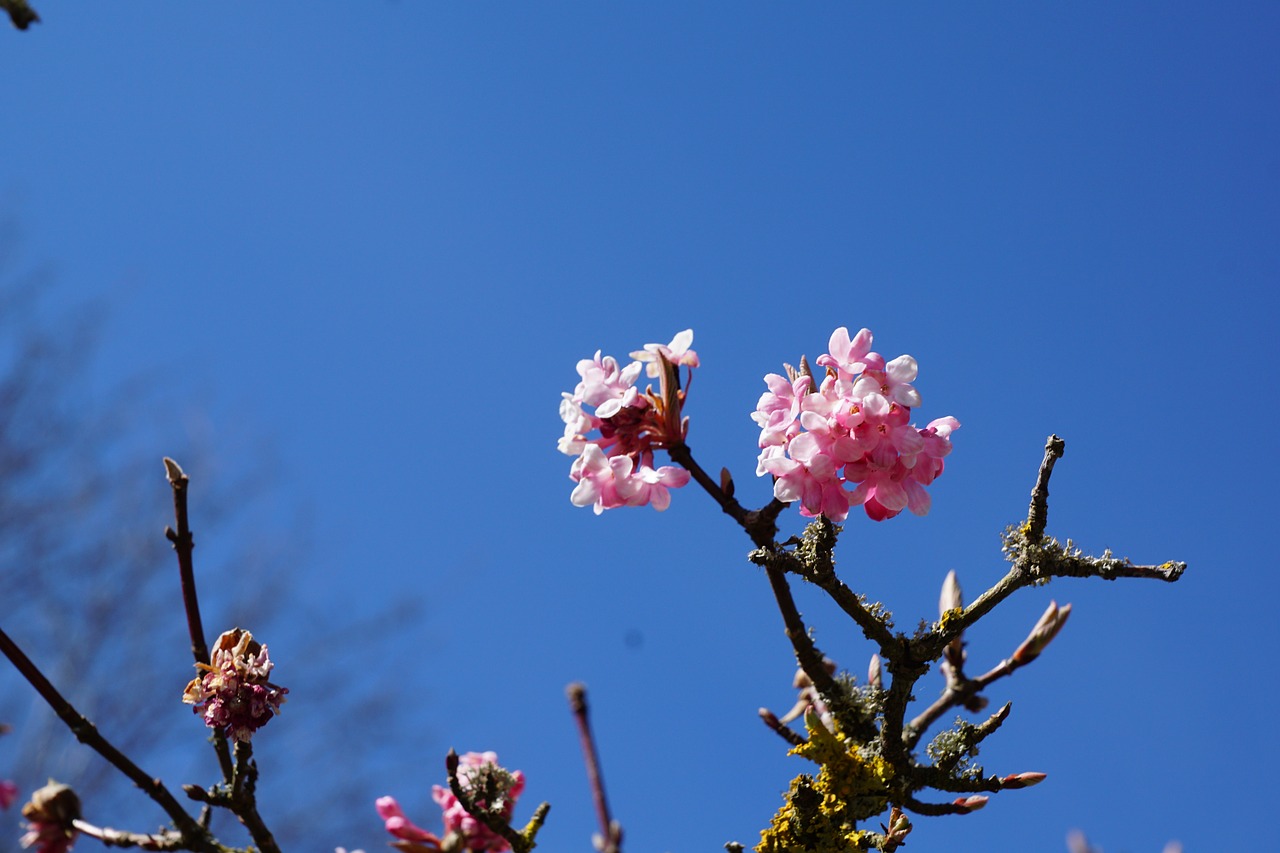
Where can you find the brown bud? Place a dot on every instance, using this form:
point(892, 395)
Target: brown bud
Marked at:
point(55, 803)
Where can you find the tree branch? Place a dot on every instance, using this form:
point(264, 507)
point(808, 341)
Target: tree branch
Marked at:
point(196, 837)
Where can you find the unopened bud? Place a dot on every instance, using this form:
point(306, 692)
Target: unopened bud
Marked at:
point(726, 482)
point(1023, 780)
point(805, 369)
point(173, 471)
point(951, 597)
point(873, 672)
point(51, 815)
point(1042, 634)
point(54, 803)
point(970, 804)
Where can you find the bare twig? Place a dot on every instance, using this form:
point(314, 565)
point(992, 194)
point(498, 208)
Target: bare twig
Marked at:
point(183, 544)
point(610, 830)
point(1038, 515)
point(196, 837)
point(119, 838)
point(761, 525)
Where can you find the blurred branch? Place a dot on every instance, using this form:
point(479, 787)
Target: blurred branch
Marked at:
point(610, 838)
point(196, 837)
point(20, 13)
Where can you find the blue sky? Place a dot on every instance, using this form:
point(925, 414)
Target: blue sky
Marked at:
point(382, 235)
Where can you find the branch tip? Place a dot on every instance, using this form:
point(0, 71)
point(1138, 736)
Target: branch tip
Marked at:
point(174, 473)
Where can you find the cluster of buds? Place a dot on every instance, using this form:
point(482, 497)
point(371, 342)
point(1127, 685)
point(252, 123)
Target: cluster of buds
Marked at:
point(233, 692)
point(853, 428)
point(616, 468)
point(51, 815)
point(490, 790)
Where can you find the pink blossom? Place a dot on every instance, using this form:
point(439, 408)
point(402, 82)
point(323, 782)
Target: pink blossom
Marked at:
point(651, 486)
point(615, 444)
point(401, 827)
point(478, 773)
point(234, 694)
point(779, 407)
point(8, 793)
point(853, 430)
point(606, 386)
point(603, 482)
point(850, 357)
point(677, 352)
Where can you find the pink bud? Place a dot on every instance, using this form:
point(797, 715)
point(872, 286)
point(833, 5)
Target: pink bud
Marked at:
point(1022, 780)
point(971, 804)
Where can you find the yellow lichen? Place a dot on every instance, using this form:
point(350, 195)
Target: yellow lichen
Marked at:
point(948, 617)
point(822, 813)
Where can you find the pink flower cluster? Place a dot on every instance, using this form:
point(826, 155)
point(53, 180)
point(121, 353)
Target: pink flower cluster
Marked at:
point(852, 429)
point(233, 693)
point(480, 776)
point(616, 468)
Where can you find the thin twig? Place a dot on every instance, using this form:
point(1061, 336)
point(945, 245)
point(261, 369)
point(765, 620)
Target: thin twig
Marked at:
point(761, 525)
point(1038, 515)
point(244, 799)
point(119, 838)
point(610, 830)
point(183, 544)
point(197, 837)
point(807, 653)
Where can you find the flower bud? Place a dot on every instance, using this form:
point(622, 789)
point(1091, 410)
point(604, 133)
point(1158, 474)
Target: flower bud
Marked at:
point(873, 672)
point(51, 813)
point(1022, 780)
point(971, 804)
point(951, 597)
point(1042, 634)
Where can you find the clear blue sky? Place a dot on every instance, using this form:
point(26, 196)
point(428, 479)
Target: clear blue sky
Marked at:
point(383, 233)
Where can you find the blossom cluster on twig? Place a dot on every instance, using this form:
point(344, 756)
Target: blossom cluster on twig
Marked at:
point(829, 443)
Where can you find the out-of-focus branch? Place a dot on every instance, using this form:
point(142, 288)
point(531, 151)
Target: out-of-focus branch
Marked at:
point(118, 838)
point(196, 837)
point(20, 13)
point(610, 838)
